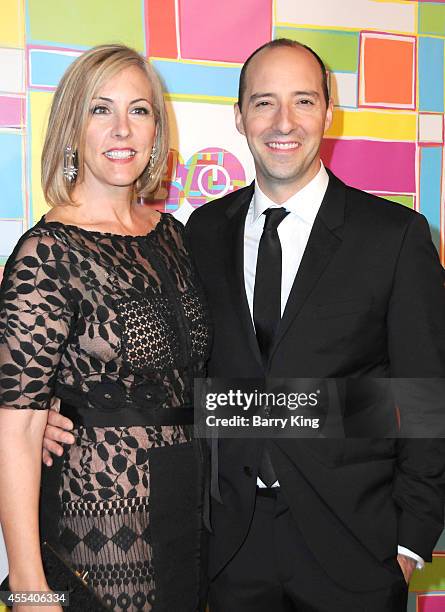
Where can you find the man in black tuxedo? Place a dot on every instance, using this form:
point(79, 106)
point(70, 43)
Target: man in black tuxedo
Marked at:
point(360, 293)
point(331, 283)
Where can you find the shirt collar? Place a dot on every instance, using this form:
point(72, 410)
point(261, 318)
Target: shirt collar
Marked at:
point(305, 203)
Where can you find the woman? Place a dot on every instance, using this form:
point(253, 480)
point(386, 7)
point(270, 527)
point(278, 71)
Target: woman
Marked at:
point(100, 307)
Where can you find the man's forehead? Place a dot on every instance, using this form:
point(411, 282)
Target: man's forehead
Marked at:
point(275, 64)
point(265, 59)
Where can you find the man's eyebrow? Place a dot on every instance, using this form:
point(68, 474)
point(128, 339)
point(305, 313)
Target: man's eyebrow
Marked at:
point(309, 92)
point(255, 96)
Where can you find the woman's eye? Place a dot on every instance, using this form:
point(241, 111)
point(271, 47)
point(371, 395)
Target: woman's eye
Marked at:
point(140, 110)
point(99, 110)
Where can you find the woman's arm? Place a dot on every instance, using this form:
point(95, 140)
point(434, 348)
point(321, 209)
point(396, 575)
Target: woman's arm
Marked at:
point(36, 316)
point(21, 436)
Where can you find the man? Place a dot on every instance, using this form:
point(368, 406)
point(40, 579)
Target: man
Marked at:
point(360, 292)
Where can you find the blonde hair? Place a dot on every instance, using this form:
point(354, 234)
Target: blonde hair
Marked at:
point(70, 112)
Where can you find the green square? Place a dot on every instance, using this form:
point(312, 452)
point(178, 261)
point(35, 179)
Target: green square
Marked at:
point(86, 23)
point(338, 50)
point(431, 578)
point(406, 200)
point(432, 18)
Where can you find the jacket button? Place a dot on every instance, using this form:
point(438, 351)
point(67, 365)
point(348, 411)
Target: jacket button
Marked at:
point(247, 470)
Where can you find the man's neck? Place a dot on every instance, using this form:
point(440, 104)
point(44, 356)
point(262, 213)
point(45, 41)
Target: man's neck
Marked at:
point(280, 192)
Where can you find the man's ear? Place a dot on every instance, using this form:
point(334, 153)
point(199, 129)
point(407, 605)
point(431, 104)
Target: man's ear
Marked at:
point(329, 115)
point(239, 119)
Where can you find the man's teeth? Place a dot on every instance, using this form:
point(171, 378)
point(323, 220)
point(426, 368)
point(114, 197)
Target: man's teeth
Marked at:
point(283, 145)
point(120, 154)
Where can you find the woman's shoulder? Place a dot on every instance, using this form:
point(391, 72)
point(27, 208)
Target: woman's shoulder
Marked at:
point(46, 233)
point(168, 223)
point(170, 233)
point(40, 259)
point(39, 244)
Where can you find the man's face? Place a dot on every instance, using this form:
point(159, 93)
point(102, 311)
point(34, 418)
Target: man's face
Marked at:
point(284, 117)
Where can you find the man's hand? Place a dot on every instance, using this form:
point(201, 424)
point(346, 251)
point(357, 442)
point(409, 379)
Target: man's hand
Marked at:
point(56, 433)
point(407, 566)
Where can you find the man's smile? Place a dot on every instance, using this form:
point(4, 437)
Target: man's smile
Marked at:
point(283, 146)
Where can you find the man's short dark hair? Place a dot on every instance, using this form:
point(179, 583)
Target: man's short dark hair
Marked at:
point(282, 42)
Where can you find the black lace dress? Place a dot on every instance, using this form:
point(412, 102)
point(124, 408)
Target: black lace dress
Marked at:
point(115, 327)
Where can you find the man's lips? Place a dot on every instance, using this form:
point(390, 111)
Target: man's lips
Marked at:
point(277, 145)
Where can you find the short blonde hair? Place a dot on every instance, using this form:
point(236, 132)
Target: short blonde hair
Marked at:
point(70, 112)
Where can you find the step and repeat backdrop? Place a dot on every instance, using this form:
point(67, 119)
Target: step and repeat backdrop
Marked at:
point(386, 73)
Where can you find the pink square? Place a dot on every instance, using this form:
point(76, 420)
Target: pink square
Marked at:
point(431, 603)
point(12, 111)
point(225, 31)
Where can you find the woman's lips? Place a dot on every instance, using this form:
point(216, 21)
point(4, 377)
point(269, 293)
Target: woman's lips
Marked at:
point(120, 155)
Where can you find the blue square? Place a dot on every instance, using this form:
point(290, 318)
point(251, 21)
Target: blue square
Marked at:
point(431, 74)
point(10, 232)
point(11, 180)
point(430, 187)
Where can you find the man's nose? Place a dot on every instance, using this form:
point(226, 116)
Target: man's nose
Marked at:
point(284, 121)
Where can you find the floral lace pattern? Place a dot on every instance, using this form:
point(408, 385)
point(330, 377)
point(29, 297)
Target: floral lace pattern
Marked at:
point(103, 321)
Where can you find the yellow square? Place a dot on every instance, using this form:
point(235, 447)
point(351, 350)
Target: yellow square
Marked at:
point(12, 24)
point(39, 106)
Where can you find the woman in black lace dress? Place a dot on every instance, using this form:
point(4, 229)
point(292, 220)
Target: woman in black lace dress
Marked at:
point(101, 308)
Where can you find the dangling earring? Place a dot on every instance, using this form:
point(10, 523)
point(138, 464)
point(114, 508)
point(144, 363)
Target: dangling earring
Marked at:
point(152, 160)
point(70, 164)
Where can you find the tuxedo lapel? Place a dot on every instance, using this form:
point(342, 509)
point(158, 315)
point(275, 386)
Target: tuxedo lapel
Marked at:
point(324, 240)
point(234, 265)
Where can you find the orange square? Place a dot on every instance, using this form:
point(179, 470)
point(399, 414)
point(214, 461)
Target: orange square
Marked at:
point(387, 71)
point(161, 28)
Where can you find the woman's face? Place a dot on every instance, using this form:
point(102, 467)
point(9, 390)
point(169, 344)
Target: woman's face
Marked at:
point(120, 132)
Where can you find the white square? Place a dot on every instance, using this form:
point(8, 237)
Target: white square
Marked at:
point(10, 232)
point(12, 71)
point(343, 89)
point(430, 128)
point(3, 558)
point(382, 15)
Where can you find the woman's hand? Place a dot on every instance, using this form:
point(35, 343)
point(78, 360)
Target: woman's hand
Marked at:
point(43, 594)
point(56, 433)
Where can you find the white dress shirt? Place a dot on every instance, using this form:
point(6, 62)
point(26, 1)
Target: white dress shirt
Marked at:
point(294, 233)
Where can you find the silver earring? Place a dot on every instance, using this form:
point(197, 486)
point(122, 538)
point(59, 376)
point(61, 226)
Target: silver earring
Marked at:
point(152, 160)
point(70, 164)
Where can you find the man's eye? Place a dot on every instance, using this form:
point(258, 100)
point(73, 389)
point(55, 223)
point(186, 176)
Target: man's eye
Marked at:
point(262, 103)
point(99, 110)
point(305, 102)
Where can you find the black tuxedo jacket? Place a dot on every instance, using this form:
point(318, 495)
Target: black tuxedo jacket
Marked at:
point(368, 300)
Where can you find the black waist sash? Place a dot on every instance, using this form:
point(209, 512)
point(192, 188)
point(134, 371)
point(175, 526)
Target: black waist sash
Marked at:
point(127, 416)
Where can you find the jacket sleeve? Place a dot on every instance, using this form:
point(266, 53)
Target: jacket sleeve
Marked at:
point(416, 348)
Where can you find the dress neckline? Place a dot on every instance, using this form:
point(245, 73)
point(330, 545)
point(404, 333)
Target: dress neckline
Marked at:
point(98, 234)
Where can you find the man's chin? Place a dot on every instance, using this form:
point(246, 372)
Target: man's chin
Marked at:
point(288, 177)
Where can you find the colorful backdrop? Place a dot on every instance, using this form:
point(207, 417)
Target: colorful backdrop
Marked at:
point(386, 65)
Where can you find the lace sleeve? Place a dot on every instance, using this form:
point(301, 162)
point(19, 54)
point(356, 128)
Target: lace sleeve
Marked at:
point(35, 318)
